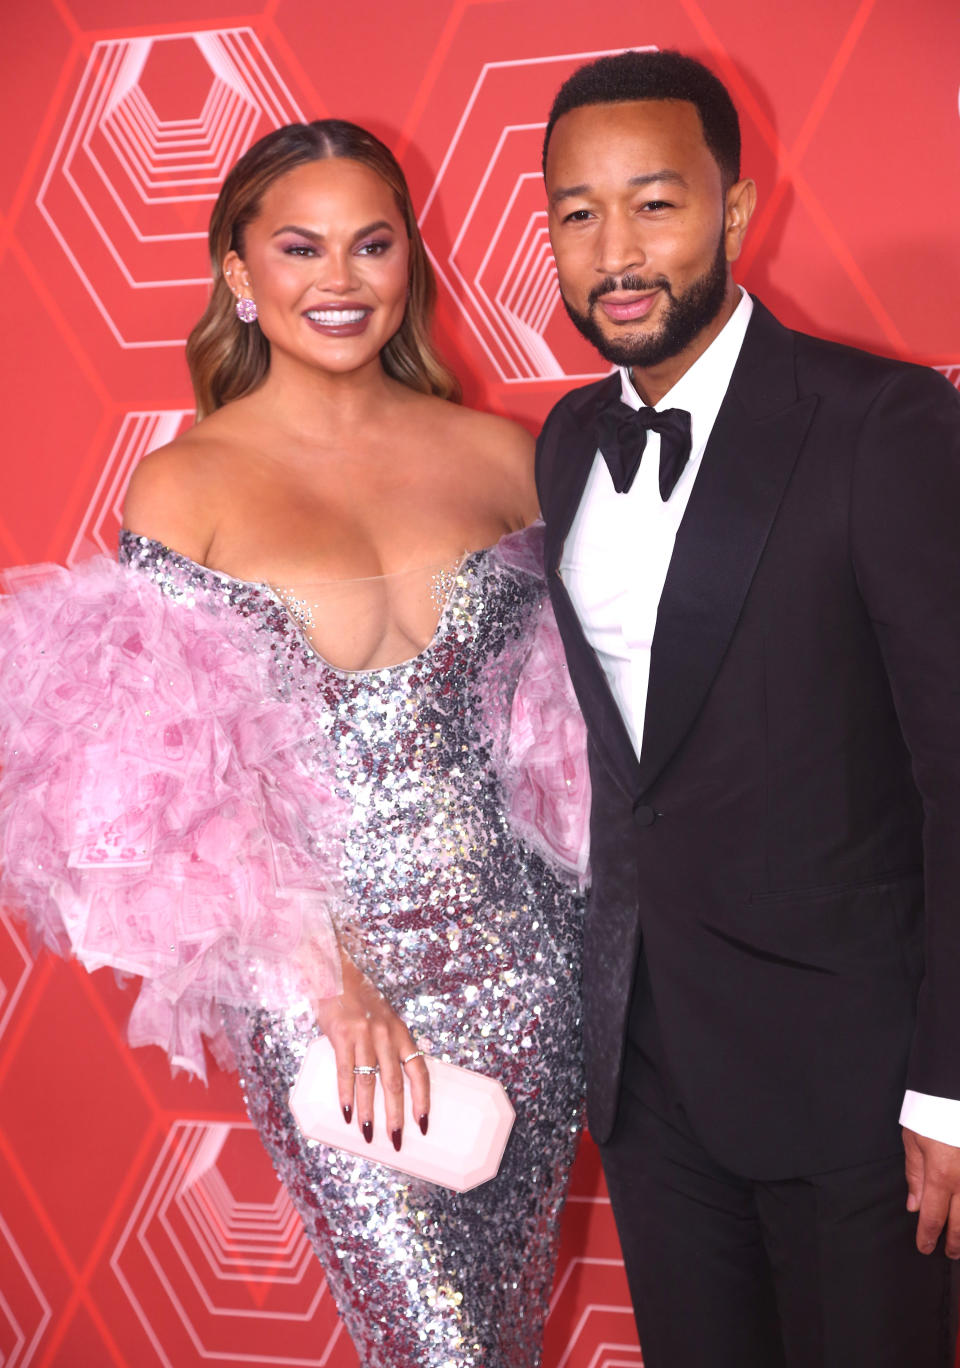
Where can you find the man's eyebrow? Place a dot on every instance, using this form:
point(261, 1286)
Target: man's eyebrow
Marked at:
point(671, 177)
point(648, 178)
point(311, 236)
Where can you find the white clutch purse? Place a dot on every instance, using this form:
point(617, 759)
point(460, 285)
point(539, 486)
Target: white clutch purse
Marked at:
point(470, 1121)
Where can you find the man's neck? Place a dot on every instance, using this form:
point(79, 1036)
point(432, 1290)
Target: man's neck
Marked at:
point(653, 382)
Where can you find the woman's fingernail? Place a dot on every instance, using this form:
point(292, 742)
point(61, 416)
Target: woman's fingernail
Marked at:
point(348, 1113)
point(423, 1122)
point(368, 1131)
point(395, 1136)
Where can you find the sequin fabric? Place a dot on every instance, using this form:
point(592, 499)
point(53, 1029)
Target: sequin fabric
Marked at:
point(474, 942)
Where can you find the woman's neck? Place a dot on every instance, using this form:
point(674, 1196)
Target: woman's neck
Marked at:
point(320, 407)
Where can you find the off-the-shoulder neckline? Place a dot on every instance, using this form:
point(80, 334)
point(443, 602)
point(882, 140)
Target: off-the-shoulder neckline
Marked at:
point(274, 594)
point(445, 563)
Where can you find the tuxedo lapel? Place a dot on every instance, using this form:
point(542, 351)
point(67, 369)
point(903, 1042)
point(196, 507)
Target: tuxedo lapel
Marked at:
point(565, 461)
point(746, 466)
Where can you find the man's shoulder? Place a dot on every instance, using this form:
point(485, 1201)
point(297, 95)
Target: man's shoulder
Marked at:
point(823, 364)
point(571, 407)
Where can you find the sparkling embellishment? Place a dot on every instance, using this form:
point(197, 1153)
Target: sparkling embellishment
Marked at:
point(298, 608)
point(442, 585)
point(246, 310)
point(471, 939)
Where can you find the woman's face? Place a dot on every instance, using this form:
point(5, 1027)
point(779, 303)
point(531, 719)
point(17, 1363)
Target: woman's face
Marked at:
point(327, 262)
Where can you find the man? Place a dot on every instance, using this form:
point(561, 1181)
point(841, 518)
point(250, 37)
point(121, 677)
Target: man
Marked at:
point(753, 543)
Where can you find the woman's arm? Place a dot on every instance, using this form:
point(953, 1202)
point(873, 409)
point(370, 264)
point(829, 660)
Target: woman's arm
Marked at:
point(174, 498)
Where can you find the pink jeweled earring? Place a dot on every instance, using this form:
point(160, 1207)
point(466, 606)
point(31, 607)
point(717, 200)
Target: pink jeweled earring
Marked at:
point(247, 310)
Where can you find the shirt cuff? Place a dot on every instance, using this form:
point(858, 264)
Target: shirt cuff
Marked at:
point(938, 1118)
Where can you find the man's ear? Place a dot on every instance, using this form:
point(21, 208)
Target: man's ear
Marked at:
point(741, 200)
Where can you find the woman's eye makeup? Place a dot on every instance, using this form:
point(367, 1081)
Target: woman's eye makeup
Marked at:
point(370, 247)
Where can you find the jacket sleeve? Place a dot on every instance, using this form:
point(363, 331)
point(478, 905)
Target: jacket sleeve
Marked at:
point(159, 810)
point(905, 537)
point(539, 741)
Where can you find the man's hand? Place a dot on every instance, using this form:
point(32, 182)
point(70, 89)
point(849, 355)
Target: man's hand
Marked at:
point(933, 1183)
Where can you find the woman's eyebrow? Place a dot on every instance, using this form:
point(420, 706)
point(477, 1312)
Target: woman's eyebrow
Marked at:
point(308, 233)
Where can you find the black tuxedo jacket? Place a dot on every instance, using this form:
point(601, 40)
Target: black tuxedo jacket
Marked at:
point(785, 854)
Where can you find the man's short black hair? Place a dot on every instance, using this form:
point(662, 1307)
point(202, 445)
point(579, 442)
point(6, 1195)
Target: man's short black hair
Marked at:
point(657, 76)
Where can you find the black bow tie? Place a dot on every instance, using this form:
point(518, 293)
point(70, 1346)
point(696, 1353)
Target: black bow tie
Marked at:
point(622, 436)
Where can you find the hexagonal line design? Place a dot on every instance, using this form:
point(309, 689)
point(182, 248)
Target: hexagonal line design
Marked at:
point(517, 275)
point(190, 1150)
point(109, 103)
point(156, 134)
point(586, 1260)
point(478, 84)
point(525, 356)
point(601, 1357)
point(126, 73)
point(10, 993)
point(23, 1349)
point(231, 82)
point(544, 363)
point(282, 1260)
point(141, 432)
point(578, 1330)
point(520, 182)
point(474, 289)
point(529, 292)
point(541, 362)
point(168, 138)
point(203, 1157)
point(210, 1209)
point(215, 1231)
point(209, 152)
point(520, 350)
point(542, 296)
point(529, 287)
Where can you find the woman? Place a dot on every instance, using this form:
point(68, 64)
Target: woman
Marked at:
point(338, 514)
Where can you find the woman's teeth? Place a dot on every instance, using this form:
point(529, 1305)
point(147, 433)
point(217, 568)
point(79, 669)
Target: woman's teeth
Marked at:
point(332, 316)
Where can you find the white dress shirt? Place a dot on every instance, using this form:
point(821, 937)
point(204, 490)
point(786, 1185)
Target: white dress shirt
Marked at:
point(619, 546)
point(614, 565)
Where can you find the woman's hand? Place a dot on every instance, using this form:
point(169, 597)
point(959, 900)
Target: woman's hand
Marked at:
point(365, 1031)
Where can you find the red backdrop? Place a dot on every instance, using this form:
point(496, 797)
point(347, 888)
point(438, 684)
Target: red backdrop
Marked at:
point(140, 1224)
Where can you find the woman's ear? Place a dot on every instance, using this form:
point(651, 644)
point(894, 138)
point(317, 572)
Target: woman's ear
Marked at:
point(235, 274)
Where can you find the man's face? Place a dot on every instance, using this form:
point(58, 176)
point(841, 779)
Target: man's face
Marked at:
point(641, 231)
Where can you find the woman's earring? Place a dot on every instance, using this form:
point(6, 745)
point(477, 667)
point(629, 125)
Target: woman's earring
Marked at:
point(247, 310)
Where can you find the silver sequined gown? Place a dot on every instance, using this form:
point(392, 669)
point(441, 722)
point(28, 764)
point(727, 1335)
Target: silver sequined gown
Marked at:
point(474, 942)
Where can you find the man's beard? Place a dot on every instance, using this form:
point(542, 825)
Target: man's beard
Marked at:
point(685, 316)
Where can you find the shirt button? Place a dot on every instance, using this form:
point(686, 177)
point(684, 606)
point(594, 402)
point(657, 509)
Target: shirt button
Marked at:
point(644, 815)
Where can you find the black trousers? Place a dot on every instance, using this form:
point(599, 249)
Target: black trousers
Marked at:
point(725, 1272)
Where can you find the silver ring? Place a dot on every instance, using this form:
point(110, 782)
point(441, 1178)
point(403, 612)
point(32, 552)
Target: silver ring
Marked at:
point(417, 1054)
point(366, 1068)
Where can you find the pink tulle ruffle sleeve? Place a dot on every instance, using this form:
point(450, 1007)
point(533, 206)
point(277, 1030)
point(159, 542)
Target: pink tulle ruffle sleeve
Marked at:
point(160, 809)
point(543, 754)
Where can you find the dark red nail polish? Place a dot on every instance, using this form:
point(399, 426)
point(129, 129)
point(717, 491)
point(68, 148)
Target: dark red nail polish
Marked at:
point(348, 1113)
point(368, 1131)
point(396, 1136)
point(423, 1122)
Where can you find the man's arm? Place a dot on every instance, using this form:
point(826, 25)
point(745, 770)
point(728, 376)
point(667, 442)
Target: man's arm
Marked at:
point(905, 531)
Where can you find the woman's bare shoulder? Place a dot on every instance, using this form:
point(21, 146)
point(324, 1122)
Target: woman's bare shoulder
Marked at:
point(174, 495)
point(505, 450)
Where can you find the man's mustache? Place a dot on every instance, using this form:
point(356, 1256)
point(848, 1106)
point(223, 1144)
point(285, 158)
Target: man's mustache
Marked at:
point(633, 284)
